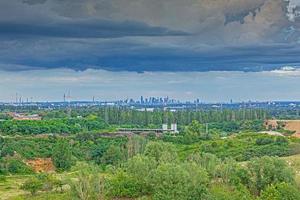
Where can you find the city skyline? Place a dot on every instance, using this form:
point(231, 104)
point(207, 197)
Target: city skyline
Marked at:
point(209, 86)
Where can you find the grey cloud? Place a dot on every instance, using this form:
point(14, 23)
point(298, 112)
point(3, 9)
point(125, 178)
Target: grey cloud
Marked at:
point(32, 2)
point(207, 18)
point(86, 29)
point(138, 35)
point(122, 55)
point(293, 9)
point(212, 21)
point(199, 16)
point(240, 17)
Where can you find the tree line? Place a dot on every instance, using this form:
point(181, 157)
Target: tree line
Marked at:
point(128, 116)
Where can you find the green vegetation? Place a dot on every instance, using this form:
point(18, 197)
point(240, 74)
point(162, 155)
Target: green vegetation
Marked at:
point(99, 119)
point(82, 147)
point(32, 185)
point(281, 191)
point(226, 159)
point(52, 126)
point(62, 156)
point(13, 165)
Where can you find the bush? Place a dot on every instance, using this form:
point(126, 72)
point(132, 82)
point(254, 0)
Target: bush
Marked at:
point(281, 140)
point(264, 141)
point(3, 169)
point(142, 168)
point(206, 161)
point(122, 184)
point(224, 192)
point(15, 166)
point(2, 178)
point(113, 156)
point(269, 170)
point(161, 152)
point(88, 186)
point(229, 172)
point(180, 182)
point(281, 191)
point(32, 185)
point(49, 182)
point(62, 156)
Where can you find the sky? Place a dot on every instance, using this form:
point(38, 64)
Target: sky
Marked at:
point(214, 50)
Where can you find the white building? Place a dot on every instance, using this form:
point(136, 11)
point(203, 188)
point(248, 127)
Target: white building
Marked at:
point(174, 128)
point(165, 127)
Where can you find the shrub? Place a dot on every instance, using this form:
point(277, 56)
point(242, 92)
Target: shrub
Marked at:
point(49, 182)
point(32, 185)
point(180, 182)
point(62, 156)
point(142, 168)
point(281, 191)
point(2, 178)
point(122, 184)
point(161, 152)
point(206, 161)
point(113, 156)
point(269, 170)
point(15, 166)
point(224, 192)
point(88, 186)
point(264, 141)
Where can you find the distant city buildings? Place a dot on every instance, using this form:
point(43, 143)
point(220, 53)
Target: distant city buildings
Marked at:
point(150, 104)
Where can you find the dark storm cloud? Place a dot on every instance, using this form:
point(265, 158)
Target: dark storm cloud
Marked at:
point(85, 29)
point(125, 56)
point(148, 35)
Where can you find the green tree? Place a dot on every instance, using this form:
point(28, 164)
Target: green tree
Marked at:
point(62, 155)
point(135, 145)
point(142, 169)
point(113, 156)
point(161, 151)
point(196, 129)
point(88, 186)
point(269, 170)
point(206, 161)
point(123, 185)
point(180, 182)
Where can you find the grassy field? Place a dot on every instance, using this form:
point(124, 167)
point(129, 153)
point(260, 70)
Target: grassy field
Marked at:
point(10, 187)
point(44, 196)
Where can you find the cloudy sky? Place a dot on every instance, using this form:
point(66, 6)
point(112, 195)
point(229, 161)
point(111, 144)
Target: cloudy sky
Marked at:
point(215, 50)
